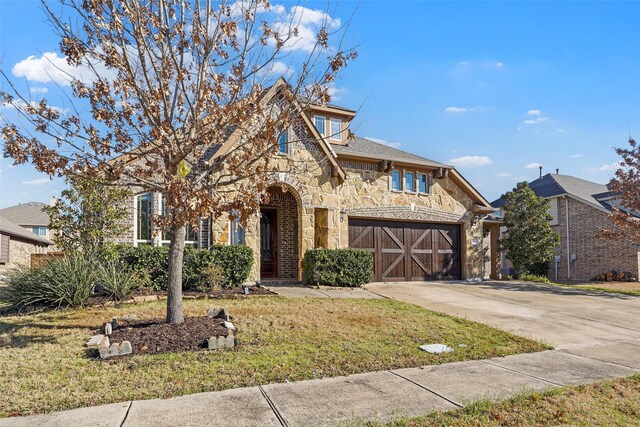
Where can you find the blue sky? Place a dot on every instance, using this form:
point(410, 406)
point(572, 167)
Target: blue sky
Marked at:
point(494, 88)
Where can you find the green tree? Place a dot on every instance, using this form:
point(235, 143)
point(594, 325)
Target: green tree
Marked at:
point(88, 216)
point(530, 240)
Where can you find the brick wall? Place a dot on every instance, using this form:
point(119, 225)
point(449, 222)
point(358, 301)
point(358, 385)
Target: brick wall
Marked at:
point(287, 208)
point(593, 255)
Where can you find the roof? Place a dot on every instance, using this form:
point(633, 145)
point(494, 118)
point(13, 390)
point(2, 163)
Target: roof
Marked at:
point(11, 229)
point(553, 185)
point(361, 147)
point(30, 213)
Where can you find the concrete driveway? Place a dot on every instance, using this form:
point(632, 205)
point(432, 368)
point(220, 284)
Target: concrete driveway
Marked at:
point(573, 320)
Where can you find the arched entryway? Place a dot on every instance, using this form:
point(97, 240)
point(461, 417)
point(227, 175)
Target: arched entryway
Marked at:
point(280, 235)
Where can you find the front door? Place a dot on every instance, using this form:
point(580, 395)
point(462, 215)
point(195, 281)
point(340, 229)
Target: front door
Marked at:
point(268, 243)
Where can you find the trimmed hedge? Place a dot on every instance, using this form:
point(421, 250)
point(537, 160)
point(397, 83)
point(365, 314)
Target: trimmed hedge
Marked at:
point(337, 267)
point(235, 261)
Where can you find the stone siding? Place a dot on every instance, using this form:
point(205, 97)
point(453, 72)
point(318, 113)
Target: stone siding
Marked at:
point(593, 255)
point(20, 254)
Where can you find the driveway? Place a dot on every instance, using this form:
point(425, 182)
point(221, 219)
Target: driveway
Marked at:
point(575, 321)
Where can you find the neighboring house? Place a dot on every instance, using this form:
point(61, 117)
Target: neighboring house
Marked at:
point(31, 216)
point(419, 218)
point(580, 210)
point(17, 244)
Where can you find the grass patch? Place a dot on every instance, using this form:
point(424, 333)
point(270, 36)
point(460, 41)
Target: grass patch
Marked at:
point(44, 366)
point(624, 288)
point(607, 403)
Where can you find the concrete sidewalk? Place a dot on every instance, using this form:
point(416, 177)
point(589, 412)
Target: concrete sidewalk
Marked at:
point(380, 396)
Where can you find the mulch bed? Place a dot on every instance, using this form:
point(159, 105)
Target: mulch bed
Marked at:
point(231, 293)
point(156, 337)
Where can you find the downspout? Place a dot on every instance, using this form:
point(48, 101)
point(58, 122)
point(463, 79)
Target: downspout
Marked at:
point(566, 206)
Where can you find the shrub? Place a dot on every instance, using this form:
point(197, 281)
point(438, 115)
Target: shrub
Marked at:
point(212, 278)
point(534, 278)
point(337, 267)
point(149, 260)
point(118, 282)
point(235, 261)
point(539, 268)
point(65, 282)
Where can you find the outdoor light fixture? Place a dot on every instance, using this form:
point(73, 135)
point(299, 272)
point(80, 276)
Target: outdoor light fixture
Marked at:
point(342, 215)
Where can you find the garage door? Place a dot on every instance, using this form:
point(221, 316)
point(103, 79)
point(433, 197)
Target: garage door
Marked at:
point(405, 251)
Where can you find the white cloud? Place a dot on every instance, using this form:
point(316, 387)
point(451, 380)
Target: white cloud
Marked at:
point(461, 109)
point(560, 130)
point(575, 156)
point(534, 112)
point(499, 64)
point(53, 68)
point(471, 161)
point(38, 181)
point(20, 103)
point(535, 121)
point(503, 175)
point(237, 8)
point(307, 22)
point(336, 92)
point(38, 90)
point(609, 167)
point(534, 165)
point(384, 142)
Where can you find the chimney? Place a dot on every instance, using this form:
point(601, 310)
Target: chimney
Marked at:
point(540, 167)
point(557, 171)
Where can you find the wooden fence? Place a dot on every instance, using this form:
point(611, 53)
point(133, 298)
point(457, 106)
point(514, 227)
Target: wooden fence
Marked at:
point(39, 259)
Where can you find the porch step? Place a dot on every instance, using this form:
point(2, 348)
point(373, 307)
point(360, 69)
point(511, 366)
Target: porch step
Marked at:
point(279, 282)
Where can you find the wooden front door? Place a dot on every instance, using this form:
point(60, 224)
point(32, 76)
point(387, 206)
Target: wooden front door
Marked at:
point(268, 243)
point(404, 251)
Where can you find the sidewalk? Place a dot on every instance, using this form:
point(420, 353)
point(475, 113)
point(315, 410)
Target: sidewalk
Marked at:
point(380, 396)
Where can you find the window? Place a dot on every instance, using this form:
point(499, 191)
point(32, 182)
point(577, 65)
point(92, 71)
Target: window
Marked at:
point(283, 142)
point(236, 233)
point(190, 237)
point(396, 180)
point(40, 231)
point(409, 182)
point(143, 203)
point(335, 131)
point(319, 122)
point(423, 183)
point(553, 211)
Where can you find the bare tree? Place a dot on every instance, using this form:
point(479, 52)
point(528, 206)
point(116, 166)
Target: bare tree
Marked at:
point(185, 98)
point(626, 186)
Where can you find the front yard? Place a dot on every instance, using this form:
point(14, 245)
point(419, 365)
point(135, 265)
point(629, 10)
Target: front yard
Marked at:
point(607, 403)
point(45, 366)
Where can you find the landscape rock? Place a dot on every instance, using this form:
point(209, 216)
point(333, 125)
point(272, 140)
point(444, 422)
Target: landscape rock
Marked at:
point(229, 326)
point(230, 341)
point(113, 350)
point(213, 343)
point(108, 330)
point(125, 348)
point(97, 341)
point(129, 317)
point(222, 342)
point(436, 348)
point(218, 313)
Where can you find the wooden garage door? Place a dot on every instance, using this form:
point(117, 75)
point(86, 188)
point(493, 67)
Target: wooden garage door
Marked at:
point(405, 251)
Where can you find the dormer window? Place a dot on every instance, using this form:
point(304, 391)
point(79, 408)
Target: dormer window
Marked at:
point(319, 122)
point(283, 141)
point(396, 181)
point(410, 183)
point(335, 131)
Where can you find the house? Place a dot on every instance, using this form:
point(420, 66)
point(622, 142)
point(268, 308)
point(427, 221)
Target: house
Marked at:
point(421, 219)
point(30, 216)
point(17, 244)
point(580, 210)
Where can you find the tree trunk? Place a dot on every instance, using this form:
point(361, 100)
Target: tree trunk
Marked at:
point(175, 313)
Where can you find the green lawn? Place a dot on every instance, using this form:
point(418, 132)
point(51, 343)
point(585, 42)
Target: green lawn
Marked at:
point(624, 288)
point(45, 368)
point(608, 403)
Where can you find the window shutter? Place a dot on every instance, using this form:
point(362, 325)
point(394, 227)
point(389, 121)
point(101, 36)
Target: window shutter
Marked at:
point(4, 249)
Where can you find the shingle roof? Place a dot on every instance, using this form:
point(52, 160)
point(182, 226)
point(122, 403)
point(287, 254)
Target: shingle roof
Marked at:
point(551, 185)
point(361, 147)
point(30, 213)
point(9, 228)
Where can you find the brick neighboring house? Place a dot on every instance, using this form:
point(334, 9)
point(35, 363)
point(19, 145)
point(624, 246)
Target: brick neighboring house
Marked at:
point(580, 210)
point(419, 218)
point(30, 216)
point(17, 244)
